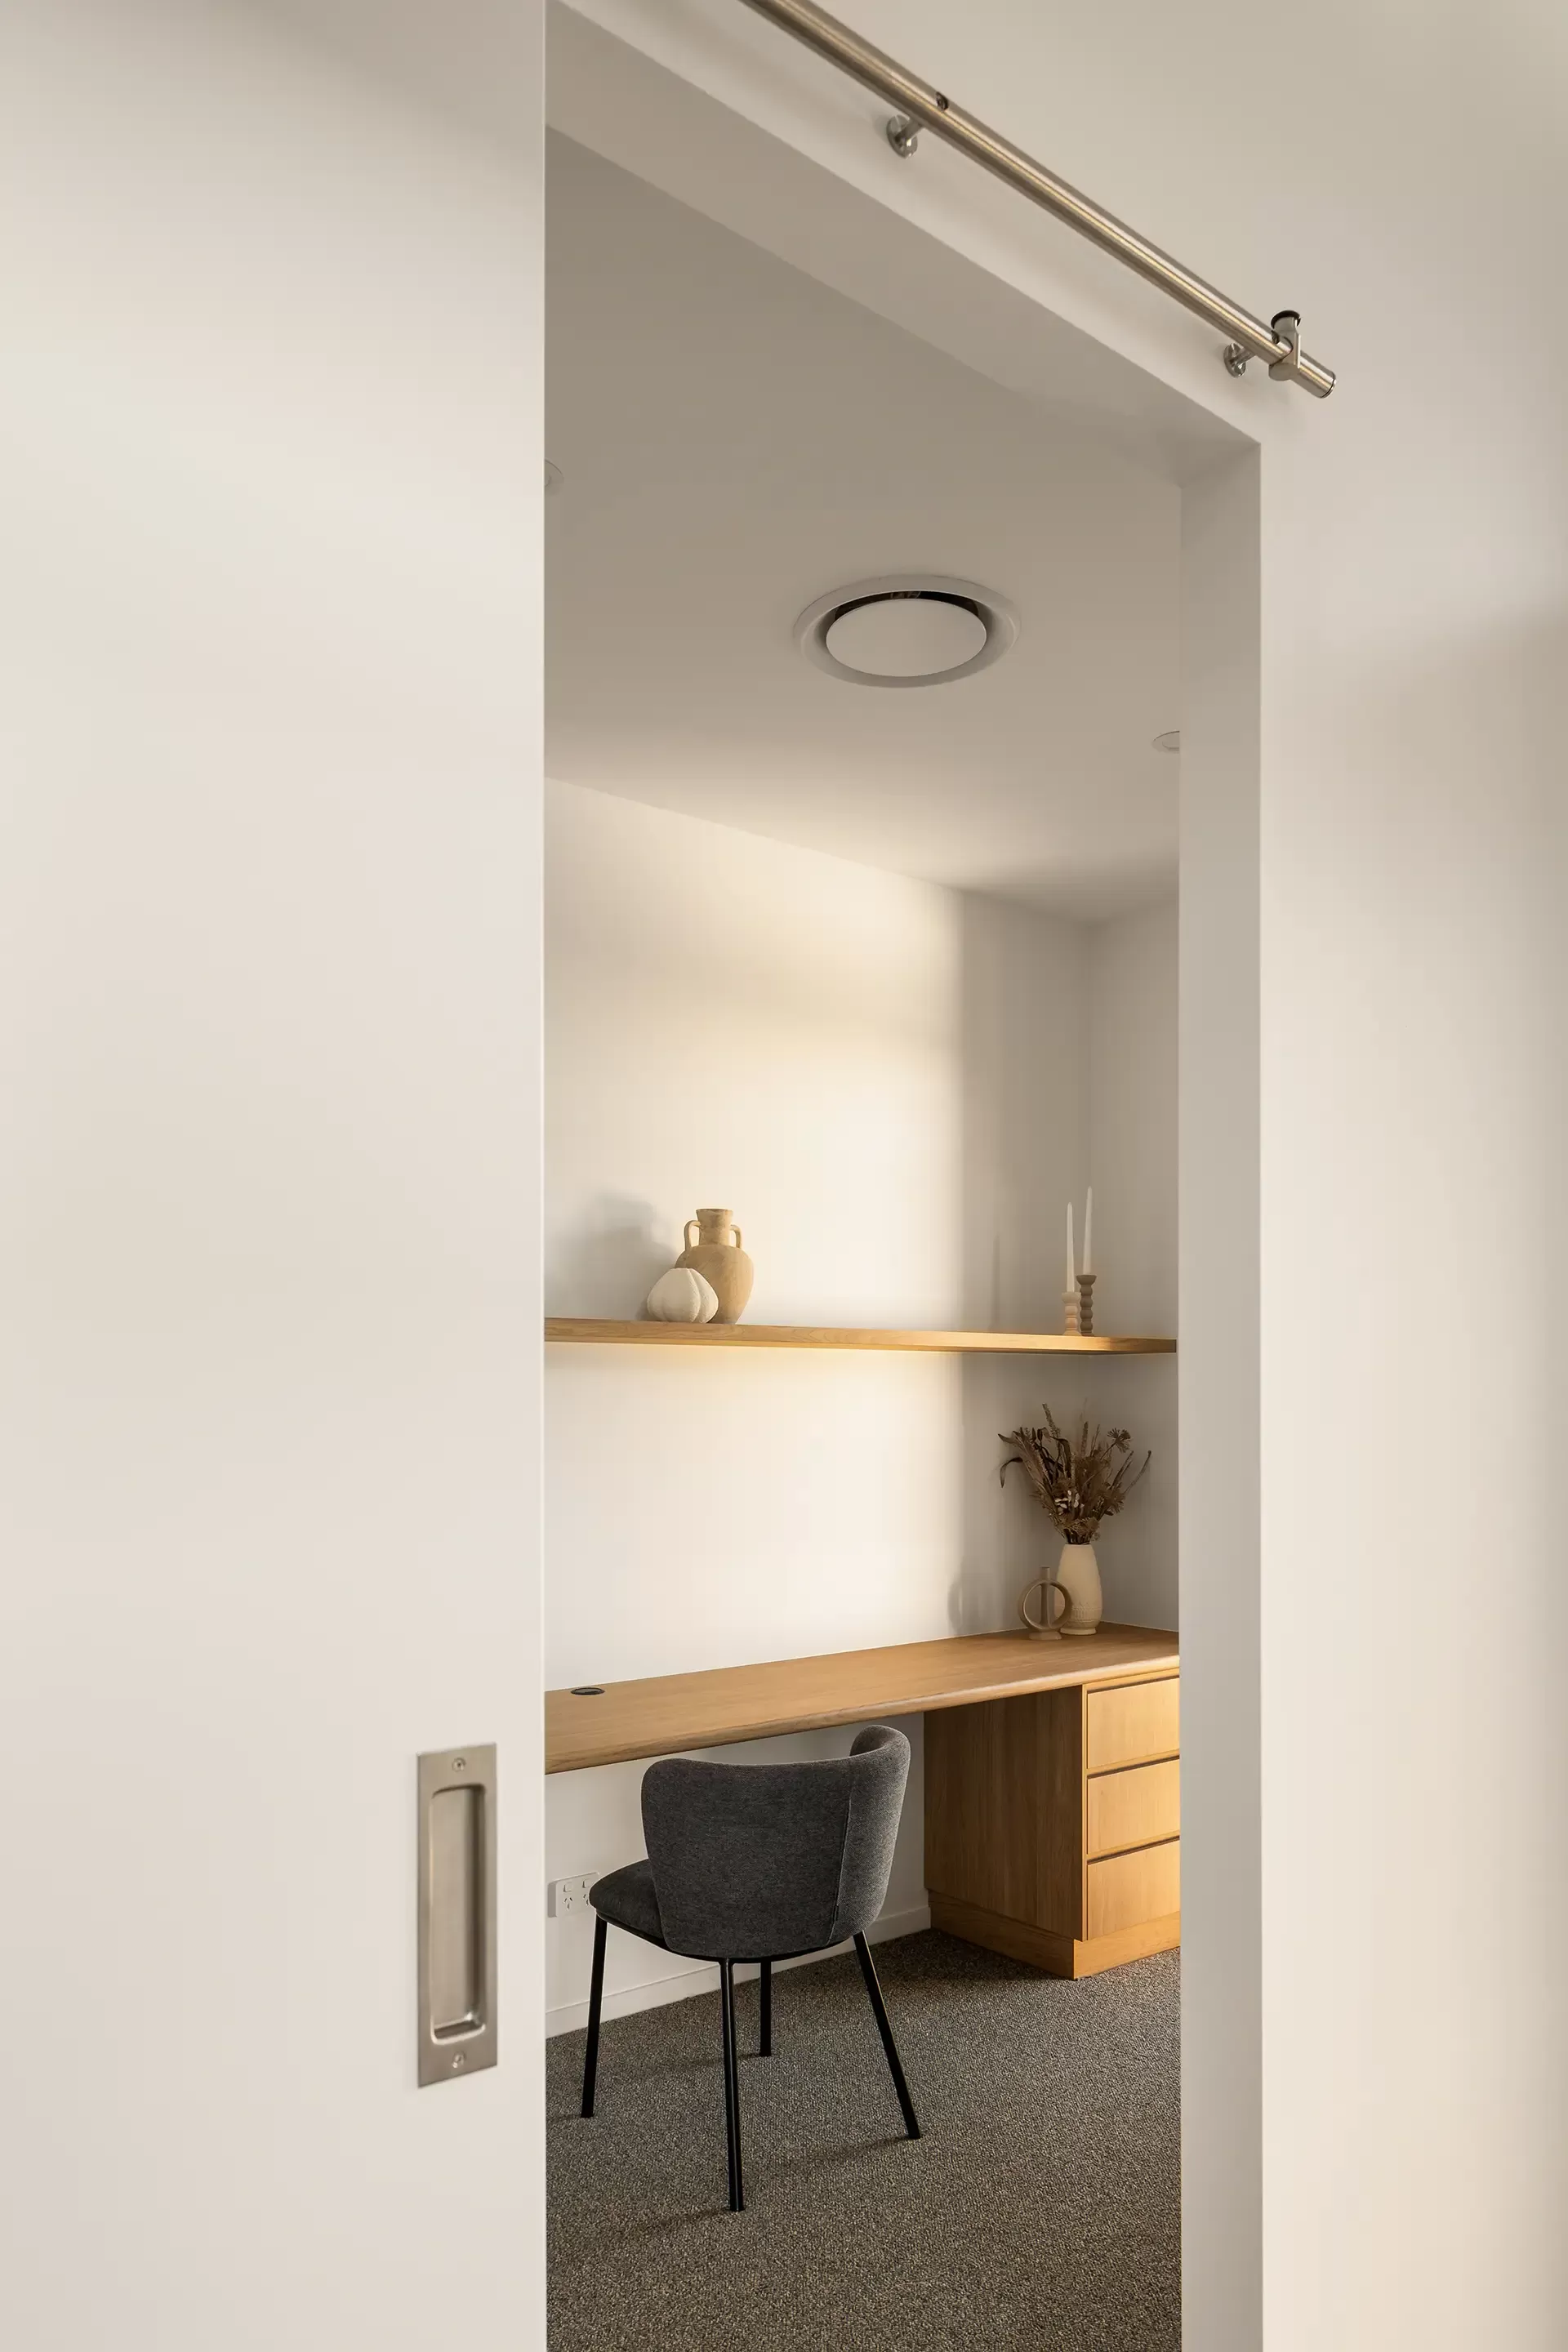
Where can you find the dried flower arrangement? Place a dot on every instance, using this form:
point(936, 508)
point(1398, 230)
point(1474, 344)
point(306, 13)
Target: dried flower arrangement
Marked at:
point(1076, 1482)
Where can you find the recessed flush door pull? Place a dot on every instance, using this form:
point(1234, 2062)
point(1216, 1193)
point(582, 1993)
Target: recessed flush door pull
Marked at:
point(456, 1865)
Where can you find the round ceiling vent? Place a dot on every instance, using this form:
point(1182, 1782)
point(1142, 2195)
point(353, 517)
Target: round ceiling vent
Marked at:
point(916, 629)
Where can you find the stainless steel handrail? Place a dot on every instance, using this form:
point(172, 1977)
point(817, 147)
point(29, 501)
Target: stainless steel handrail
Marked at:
point(922, 105)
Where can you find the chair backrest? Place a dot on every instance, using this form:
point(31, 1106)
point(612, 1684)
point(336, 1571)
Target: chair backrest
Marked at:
point(752, 1861)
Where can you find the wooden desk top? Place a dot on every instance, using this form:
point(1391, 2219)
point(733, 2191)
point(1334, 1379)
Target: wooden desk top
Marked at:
point(669, 1712)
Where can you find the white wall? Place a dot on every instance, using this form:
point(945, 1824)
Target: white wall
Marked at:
point(1382, 2163)
point(1069, 1076)
point(1025, 1111)
point(732, 1020)
point(1131, 1081)
point(1219, 1273)
point(887, 1083)
point(1131, 1086)
point(268, 593)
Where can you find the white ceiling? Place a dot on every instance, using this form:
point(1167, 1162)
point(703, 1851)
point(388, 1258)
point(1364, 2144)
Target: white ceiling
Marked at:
point(736, 439)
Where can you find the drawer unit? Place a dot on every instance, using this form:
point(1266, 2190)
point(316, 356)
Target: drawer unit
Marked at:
point(1053, 1823)
point(1132, 1723)
point(1131, 1889)
point(1140, 1805)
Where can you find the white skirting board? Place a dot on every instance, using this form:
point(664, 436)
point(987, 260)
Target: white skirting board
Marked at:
point(703, 1975)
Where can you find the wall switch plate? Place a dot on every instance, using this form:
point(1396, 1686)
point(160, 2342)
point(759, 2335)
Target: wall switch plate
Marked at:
point(569, 1897)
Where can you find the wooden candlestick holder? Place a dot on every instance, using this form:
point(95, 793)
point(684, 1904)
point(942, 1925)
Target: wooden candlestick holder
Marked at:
point(1086, 1303)
point(1070, 1311)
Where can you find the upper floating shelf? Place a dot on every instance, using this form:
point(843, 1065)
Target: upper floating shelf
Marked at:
point(601, 1333)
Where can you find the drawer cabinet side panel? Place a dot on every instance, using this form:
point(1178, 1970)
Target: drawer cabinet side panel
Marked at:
point(1004, 1797)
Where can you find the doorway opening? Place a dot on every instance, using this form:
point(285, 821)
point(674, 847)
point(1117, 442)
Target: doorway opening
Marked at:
point(868, 676)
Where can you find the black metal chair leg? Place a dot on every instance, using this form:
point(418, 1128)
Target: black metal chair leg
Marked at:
point(596, 2002)
point(765, 2045)
point(880, 2011)
point(731, 2085)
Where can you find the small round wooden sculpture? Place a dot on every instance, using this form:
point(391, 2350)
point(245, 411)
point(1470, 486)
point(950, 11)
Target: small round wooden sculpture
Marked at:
point(1047, 1628)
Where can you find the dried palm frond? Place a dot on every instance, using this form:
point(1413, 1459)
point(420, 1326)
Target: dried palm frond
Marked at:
point(1077, 1484)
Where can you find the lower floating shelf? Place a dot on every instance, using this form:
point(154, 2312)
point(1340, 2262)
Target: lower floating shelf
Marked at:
point(591, 1331)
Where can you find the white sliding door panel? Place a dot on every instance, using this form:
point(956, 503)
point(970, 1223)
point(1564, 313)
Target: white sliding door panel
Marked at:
point(270, 747)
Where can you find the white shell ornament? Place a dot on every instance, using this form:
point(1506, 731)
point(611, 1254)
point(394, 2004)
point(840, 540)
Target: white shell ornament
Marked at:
point(682, 1295)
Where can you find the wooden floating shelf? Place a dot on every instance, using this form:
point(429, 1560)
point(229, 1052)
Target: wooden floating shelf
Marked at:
point(591, 1331)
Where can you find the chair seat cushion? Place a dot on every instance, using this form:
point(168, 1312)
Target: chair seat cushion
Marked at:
point(626, 1899)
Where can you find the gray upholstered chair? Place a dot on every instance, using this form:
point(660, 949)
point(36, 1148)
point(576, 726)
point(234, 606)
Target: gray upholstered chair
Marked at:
point(758, 1861)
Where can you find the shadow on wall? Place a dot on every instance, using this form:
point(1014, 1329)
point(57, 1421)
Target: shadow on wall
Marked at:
point(608, 1263)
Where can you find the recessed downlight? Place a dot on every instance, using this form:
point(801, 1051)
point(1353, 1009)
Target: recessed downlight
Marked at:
point(915, 629)
point(906, 635)
point(1171, 741)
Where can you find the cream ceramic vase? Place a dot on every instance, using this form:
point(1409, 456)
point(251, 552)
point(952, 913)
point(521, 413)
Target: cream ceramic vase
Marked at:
point(1078, 1575)
point(717, 1255)
point(681, 1296)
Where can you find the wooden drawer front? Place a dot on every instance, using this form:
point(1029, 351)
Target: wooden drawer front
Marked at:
point(1133, 1888)
point(1135, 1807)
point(1129, 1725)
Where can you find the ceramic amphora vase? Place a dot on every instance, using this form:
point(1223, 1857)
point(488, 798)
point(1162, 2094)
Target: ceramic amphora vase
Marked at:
point(718, 1257)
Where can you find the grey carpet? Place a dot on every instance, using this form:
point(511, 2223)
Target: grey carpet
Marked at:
point(1041, 2209)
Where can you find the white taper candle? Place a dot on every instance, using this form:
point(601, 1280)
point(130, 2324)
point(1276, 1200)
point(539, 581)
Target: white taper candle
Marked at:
point(1089, 1231)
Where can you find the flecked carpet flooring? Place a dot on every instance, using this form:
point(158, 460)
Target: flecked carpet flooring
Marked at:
point(1040, 2208)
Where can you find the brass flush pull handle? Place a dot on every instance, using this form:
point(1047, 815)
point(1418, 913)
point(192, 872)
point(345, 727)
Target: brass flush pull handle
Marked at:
point(457, 1867)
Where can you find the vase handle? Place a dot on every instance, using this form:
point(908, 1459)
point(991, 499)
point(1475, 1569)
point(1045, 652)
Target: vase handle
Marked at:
point(687, 1235)
point(736, 1231)
point(1047, 1584)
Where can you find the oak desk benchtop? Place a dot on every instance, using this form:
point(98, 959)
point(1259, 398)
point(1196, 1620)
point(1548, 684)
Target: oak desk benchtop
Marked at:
point(667, 1713)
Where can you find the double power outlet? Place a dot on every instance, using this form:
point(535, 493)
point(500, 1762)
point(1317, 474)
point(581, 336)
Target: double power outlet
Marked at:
point(569, 1897)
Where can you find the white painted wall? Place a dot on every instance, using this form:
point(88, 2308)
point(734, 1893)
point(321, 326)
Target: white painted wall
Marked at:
point(1383, 2162)
point(758, 1026)
point(268, 593)
point(1070, 1077)
point(1132, 1073)
point(1131, 1086)
point(1112, 987)
point(731, 1020)
point(1219, 1274)
point(887, 1083)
